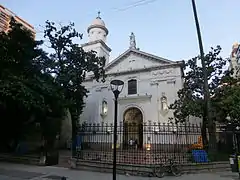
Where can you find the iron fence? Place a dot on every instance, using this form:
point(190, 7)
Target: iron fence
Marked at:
point(150, 143)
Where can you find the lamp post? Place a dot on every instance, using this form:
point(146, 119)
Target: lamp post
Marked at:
point(207, 108)
point(116, 87)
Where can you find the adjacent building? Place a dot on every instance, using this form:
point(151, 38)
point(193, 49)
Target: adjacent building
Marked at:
point(5, 17)
point(235, 60)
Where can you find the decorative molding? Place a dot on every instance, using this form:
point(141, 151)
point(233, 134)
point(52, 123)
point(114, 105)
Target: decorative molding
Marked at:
point(135, 98)
point(99, 89)
point(95, 42)
point(171, 81)
point(162, 72)
point(156, 82)
point(135, 71)
point(132, 77)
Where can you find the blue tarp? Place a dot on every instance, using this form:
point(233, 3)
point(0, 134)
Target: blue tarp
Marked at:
point(78, 140)
point(77, 143)
point(200, 156)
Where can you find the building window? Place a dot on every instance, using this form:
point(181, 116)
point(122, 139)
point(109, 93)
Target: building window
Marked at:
point(132, 86)
point(104, 107)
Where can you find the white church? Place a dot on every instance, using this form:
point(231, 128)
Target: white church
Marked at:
point(151, 84)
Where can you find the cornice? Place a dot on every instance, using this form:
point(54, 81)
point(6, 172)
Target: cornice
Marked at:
point(135, 98)
point(153, 68)
point(98, 41)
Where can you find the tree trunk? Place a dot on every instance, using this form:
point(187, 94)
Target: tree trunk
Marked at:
point(204, 133)
point(74, 118)
point(212, 138)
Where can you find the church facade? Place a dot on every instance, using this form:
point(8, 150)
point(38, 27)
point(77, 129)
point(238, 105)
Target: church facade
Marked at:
point(151, 84)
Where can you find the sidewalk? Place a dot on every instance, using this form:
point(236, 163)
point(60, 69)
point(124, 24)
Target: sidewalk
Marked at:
point(21, 172)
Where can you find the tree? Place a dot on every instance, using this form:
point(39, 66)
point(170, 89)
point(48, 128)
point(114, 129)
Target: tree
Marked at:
point(190, 97)
point(25, 92)
point(227, 101)
point(69, 64)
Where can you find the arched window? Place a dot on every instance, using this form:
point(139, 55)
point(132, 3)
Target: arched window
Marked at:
point(104, 107)
point(132, 86)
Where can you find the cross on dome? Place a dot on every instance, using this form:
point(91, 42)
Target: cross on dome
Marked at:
point(99, 12)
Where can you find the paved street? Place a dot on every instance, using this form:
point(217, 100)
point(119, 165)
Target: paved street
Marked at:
point(21, 172)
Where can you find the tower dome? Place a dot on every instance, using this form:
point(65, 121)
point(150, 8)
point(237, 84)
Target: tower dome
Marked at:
point(97, 30)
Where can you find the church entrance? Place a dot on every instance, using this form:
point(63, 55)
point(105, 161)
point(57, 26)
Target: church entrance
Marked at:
point(133, 128)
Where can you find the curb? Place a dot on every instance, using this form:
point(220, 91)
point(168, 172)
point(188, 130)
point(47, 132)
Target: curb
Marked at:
point(133, 170)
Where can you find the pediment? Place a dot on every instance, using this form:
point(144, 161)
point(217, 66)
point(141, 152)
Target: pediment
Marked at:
point(133, 59)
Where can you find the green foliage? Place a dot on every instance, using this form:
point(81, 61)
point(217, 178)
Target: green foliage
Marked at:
point(227, 101)
point(17, 51)
point(190, 97)
point(36, 87)
point(69, 64)
point(25, 92)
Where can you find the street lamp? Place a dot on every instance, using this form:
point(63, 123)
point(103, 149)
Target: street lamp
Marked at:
point(116, 87)
point(207, 108)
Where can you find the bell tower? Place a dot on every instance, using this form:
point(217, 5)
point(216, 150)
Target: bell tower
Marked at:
point(97, 38)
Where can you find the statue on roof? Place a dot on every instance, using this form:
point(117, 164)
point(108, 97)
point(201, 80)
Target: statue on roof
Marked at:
point(235, 50)
point(132, 41)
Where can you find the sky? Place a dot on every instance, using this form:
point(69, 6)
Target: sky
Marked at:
point(162, 27)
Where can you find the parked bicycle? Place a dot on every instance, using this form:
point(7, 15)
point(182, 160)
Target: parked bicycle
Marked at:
point(169, 167)
point(160, 170)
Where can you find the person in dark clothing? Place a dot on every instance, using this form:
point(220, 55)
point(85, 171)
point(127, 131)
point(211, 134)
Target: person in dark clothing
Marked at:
point(136, 143)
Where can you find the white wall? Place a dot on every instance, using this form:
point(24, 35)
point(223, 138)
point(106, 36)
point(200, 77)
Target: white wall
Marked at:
point(151, 85)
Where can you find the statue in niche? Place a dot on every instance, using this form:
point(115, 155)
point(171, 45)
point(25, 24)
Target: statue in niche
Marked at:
point(164, 103)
